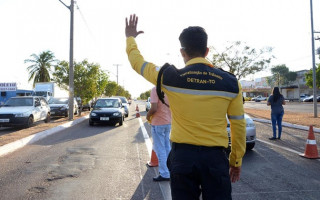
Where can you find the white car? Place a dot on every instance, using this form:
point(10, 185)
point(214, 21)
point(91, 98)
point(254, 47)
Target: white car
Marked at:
point(124, 103)
point(24, 111)
point(148, 104)
point(259, 98)
point(250, 132)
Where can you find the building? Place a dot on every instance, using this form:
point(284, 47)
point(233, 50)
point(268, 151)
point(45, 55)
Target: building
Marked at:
point(8, 90)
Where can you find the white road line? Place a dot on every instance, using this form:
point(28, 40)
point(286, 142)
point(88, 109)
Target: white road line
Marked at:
point(164, 186)
point(281, 147)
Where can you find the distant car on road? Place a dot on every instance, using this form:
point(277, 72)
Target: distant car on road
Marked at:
point(259, 98)
point(250, 132)
point(148, 105)
point(60, 106)
point(24, 111)
point(107, 110)
point(125, 103)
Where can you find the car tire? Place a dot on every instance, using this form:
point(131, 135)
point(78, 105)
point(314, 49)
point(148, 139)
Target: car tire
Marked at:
point(121, 121)
point(127, 115)
point(250, 146)
point(47, 118)
point(91, 123)
point(67, 114)
point(29, 122)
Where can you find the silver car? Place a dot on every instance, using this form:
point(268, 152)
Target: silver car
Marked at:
point(250, 132)
point(125, 103)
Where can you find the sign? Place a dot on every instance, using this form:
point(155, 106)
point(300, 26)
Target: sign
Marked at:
point(8, 87)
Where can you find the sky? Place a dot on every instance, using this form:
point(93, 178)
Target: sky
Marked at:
point(34, 26)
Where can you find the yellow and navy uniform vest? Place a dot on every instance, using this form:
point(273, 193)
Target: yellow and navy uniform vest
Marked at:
point(200, 96)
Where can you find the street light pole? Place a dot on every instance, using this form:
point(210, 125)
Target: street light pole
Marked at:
point(313, 66)
point(71, 71)
point(117, 72)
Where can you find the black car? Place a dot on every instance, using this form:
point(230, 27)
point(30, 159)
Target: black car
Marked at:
point(60, 106)
point(107, 110)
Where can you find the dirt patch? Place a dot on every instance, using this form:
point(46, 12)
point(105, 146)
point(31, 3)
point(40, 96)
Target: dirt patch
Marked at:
point(290, 117)
point(17, 133)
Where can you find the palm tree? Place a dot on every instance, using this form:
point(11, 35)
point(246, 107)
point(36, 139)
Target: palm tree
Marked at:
point(40, 69)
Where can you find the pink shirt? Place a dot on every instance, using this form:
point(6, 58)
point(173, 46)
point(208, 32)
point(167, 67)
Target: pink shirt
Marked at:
point(163, 114)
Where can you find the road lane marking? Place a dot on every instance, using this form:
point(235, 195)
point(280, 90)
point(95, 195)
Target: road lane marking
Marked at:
point(165, 186)
point(281, 147)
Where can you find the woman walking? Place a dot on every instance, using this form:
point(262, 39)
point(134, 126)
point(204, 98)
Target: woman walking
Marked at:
point(276, 100)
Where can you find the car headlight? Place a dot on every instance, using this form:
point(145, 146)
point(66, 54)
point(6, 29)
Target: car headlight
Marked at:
point(64, 108)
point(116, 114)
point(93, 114)
point(21, 115)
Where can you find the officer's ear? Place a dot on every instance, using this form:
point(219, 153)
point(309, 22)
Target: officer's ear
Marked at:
point(207, 51)
point(184, 55)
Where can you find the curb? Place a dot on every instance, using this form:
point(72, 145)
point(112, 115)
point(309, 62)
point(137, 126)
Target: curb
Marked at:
point(305, 128)
point(8, 148)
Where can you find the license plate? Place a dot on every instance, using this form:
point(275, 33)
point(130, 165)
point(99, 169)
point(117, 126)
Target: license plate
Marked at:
point(104, 118)
point(4, 120)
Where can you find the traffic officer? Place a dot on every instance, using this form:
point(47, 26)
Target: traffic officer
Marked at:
point(200, 96)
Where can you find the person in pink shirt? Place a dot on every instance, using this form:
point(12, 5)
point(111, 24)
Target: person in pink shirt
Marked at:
point(160, 117)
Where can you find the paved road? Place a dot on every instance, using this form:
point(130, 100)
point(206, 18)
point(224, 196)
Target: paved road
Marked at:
point(105, 162)
point(304, 107)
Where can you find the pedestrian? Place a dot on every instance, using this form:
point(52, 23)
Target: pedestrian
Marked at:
point(201, 96)
point(276, 100)
point(160, 117)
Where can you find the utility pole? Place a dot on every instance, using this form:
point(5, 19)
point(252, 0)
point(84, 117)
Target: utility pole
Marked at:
point(117, 72)
point(313, 66)
point(71, 71)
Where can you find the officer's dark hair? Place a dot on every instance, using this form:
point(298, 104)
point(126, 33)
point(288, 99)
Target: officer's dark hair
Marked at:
point(194, 41)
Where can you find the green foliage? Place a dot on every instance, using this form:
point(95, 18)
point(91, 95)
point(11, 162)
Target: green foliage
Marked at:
point(111, 89)
point(40, 68)
point(309, 78)
point(145, 95)
point(89, 80)
point(281, 76)
point(242, 60)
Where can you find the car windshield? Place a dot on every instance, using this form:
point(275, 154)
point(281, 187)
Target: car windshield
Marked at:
point(107, 103)
point(58, 101)
point(123, 99)
point(19, 102)
point(40, 93)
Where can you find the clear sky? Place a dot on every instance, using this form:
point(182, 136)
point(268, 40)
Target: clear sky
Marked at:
point(33, 26)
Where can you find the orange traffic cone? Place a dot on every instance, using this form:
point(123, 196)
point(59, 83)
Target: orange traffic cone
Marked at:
point(311, 150)
point(154, 160)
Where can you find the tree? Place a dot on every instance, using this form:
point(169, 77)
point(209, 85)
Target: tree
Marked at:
point(309, 77)
point(242, 60)
point(281, 76)
point(145, 95)
point(89, 80)
point(111, 88)
point(40, 68)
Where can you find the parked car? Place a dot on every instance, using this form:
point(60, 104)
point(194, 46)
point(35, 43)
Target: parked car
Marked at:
point(87, 106)
point(250, 132)
point(124, 103)
point(259, 98)
point(310, 99)
point(148, 104)
point(60, 106)
point(24, 111)
point(303, 96)
point(107, 110)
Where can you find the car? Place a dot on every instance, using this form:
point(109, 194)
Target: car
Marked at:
point(60, 106)
point(303, 96)
point(250, 132)
point(310, 99)
point(124, 103)
point(148, 104)
point(24, 111)
point(107, 110)
point(259, 98)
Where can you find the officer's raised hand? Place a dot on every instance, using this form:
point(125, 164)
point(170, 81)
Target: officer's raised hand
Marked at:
point(131, 27)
